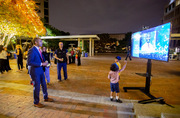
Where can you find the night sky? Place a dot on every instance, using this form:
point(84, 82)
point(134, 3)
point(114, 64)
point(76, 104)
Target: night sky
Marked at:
point(105, 16)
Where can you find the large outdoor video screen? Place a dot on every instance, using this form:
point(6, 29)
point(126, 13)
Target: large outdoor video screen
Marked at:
point(152, 43)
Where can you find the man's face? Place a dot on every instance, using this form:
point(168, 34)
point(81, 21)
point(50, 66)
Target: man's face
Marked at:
point(39, 43)
point(60, 44)
point(44, 49)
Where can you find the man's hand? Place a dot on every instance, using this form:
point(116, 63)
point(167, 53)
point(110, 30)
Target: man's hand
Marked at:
point(61, 59)
point(45, 63)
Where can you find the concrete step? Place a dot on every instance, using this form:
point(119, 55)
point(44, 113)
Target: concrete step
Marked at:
point(124, 110)
point(154, 110)
point(168, 115)
point(146, 117)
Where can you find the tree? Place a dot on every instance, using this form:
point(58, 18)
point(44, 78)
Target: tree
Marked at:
point(126, 41)
point(19, 18)
point(128, 38)
point(52, 31)
point(113, 40)
point(104, 39)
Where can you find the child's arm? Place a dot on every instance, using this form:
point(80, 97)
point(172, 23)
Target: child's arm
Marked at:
point(109, 76)
point(123, 66)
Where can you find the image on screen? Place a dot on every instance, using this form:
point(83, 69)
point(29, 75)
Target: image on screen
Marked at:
point(152, 43)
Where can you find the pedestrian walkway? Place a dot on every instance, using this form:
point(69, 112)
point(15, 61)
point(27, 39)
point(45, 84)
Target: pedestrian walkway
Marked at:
point(22, 105)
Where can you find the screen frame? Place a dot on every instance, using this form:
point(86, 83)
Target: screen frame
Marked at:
point(149, 29)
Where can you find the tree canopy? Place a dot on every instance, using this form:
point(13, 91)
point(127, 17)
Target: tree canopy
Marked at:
point(52, 31)
point(19, 18)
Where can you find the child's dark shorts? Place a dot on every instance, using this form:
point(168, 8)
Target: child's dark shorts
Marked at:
point(114, 87)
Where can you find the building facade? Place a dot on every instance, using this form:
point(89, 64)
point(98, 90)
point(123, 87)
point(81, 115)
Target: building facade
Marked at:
point(172, 14)
point(43, 10)
point(119, 37)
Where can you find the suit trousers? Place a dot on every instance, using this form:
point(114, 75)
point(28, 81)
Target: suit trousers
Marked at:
point(39, 80)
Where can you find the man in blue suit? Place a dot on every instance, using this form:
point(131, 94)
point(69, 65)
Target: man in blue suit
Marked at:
point(37, 62)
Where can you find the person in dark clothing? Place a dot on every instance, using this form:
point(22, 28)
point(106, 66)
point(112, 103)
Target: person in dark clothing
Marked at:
point(19, 54)
point(62, 60)
point(7, 60)
point(47, 58)
point(128, 53)
point(78, 52)
point(2, 55)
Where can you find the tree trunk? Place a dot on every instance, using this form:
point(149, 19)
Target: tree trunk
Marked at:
point(9, 38)
point(4, 37)
point(20, 41)
point(12, 45)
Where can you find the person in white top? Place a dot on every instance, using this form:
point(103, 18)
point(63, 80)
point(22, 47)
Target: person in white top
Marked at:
point(3, 57)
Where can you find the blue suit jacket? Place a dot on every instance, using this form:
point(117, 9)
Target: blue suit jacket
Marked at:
point(34, 61)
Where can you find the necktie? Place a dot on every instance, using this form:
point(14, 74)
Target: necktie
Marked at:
point(41, 54)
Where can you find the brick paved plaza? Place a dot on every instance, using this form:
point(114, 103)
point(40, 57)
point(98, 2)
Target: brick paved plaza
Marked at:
point(86, 92)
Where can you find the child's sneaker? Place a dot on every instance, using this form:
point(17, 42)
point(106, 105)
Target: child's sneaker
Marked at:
point(111, 99)
point(118, 100)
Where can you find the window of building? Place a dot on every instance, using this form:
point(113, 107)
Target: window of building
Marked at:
point(45, 4)
point(38, 3)
point(169, 7)
point(46, 19)
point(166, 10)
point(39, 11)
point(46, 12)
point(173, 4)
